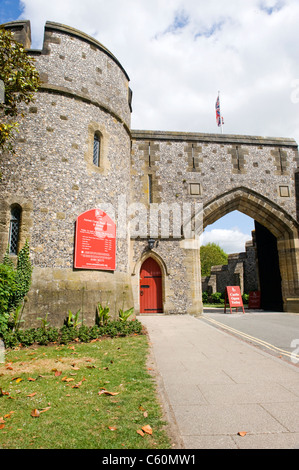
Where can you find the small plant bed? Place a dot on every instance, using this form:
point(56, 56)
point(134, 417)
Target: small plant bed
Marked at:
point(66, 334)
point(96, 395)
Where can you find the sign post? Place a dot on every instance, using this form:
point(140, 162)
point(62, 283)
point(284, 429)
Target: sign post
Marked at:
point(234, 297)
point(95, 241)
point(254, 299)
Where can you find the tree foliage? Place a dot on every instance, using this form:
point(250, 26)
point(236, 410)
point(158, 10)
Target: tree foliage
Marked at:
point(21, 81)
point(211, 255)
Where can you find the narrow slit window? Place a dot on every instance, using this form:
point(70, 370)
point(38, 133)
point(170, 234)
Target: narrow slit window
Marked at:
point(96, 150)
point(150, 189)
point(14, 230)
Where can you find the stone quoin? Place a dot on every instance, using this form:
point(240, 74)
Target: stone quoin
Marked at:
point(76, 152)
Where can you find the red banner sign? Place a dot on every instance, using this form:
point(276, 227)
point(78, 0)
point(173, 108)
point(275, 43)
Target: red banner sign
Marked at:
point(254, 299)
point(95, 241)
point(234, 297)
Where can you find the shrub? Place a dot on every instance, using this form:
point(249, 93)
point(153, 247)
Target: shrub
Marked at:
point(205, 297)
point(23, 274)
point(65, 335)
point(7, 291)
point(217, 298)
point(14, 285)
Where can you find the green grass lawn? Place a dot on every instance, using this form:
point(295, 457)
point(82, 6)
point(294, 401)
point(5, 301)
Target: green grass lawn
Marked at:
point(62, 382)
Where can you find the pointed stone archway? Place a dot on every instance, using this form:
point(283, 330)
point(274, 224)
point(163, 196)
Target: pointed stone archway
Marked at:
point(277, 221)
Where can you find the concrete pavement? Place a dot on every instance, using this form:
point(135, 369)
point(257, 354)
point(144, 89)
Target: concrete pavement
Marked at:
point(213, 386)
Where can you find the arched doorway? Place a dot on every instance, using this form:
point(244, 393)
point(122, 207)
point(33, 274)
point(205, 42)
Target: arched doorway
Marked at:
point(150, 287)
point(272, 217)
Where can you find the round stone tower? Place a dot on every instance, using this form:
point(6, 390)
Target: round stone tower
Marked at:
point(72, 156)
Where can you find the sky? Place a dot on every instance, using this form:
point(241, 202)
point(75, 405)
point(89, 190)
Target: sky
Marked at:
point(179, 54)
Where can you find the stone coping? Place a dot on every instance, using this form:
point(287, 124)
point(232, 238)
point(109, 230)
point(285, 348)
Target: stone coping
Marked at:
point(213, 138)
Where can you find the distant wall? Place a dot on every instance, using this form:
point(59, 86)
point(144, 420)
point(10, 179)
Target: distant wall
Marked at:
point(241, 270)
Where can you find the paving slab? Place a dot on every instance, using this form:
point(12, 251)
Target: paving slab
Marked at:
point(214, 385)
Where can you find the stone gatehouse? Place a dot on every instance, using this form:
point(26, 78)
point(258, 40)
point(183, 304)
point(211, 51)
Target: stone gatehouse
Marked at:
point(76, 152)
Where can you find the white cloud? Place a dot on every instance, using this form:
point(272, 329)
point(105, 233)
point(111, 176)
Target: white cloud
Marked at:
point(230, 240)
point(179, 54)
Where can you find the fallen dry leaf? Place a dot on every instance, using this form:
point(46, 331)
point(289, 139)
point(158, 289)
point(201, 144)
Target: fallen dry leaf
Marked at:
point(17, 379)
point(77, 385)
point(147, 429)
point(30, 379)
point(105, 392)
point(2, 393)
point(2, 426)
point(242, 433)
point(145, 414)
point(57, 373)
point(112, 428)
point(35, 413)
point(31, 394)
point(45, 409)
point(2, 420)
point(140, 432)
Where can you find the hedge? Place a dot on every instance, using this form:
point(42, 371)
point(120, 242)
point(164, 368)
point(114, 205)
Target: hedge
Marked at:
point(65, 334)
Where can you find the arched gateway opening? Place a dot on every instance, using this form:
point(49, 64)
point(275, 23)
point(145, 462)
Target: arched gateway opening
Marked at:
point(277, 243)
point(151, 287)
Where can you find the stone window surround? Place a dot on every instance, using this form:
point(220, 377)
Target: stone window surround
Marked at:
point(14, 228)
point(26, 221)
point(98, 129)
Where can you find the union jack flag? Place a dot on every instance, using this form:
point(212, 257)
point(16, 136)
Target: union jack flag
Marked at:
point(219, 118)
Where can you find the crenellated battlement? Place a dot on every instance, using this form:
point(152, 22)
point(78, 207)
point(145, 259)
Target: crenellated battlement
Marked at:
point(21, 30)
point(73, 64)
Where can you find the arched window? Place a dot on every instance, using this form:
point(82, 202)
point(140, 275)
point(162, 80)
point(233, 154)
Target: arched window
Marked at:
point(14, 229)
point(96, 149)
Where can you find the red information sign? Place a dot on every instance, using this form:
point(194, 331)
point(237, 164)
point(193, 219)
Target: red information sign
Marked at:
point(233, 294)
point(95, 241)
point(254, 299)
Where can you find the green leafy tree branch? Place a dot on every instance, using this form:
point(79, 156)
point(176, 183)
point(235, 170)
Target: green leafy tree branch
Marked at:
point(21, 80)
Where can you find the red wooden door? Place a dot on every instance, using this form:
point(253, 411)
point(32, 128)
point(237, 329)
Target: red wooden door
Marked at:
point(150, 287)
